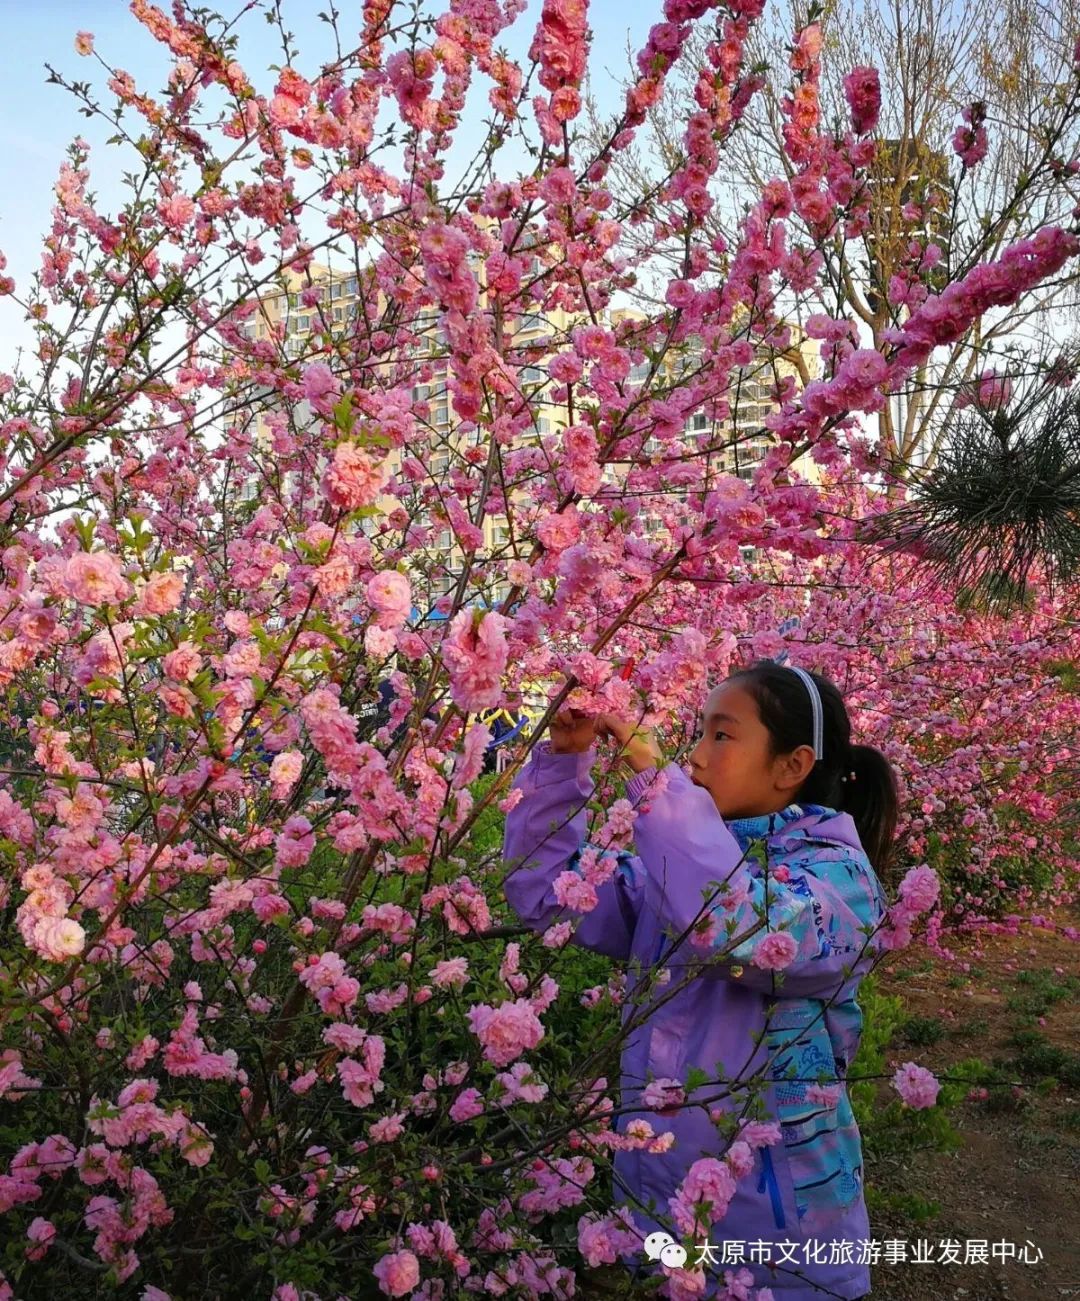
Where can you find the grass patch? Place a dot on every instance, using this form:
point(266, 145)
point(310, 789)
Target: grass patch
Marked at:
point(1037, 1059)
point(922, 1030)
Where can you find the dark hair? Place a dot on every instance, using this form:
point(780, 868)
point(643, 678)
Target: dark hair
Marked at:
point(855, 779)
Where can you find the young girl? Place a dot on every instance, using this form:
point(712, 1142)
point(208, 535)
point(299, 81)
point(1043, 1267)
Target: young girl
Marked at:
point(774, 773)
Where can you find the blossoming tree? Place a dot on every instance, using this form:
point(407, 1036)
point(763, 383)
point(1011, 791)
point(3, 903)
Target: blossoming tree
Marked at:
point(261, 1025)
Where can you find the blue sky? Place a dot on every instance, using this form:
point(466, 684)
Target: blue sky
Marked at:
point(37, 121)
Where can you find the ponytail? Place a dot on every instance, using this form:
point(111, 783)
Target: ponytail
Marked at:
point(869, 794)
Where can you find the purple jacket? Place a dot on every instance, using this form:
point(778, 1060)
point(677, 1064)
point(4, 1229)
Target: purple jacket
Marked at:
point(806, 1191)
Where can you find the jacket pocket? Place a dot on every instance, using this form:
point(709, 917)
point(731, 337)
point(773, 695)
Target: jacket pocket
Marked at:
point(666, 1051)
point(820, 1141)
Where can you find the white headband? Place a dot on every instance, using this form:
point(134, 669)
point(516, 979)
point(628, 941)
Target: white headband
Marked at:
point(811, 687)
point(815, 706)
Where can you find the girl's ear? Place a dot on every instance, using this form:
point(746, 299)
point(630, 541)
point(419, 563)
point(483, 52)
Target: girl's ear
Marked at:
point(793, 768)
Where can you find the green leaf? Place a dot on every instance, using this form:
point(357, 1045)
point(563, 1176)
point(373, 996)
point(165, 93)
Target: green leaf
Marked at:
point(344, 416)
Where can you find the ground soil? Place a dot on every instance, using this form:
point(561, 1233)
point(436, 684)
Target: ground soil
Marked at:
point(1016, 1174)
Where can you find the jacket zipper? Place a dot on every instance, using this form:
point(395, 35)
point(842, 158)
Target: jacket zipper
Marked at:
point(768, 1176)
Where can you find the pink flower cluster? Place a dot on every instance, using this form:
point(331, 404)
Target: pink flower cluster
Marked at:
point(186, 1053)
point(352, 478)
point(917, 894)
point(360, 1076)
point(95, 578)
point(775, 951)
point(862, 90)
point(944, 317)
point(475, 652)
point(916, 1085)
point(969, 141)
point(506, 1031)
point(602, 1239)
point(445, 250)
point(704, 1194)
point(327, 978)
point(557, 1184)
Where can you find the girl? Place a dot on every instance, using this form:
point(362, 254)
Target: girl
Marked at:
point(774, 773)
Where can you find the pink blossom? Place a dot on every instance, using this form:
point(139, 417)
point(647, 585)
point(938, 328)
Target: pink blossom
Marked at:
point(94, 578)
point(14, 1082)
point(466, 1106)
point(969, 141)
point(993, 389)
point(560, 43)
point(379, 642)
point(387, 1129)
point(827, 1095)
point(680, 294)
point(603, 1239)
point(84, 43)
point(920, 888)
point(559, 530)
point(59, 938)
point(862, 89)
point(41, 1233)
point(176, 211)
point(572, 891)
point(160, 595)
point(242, 660)
point(391, 597)
point(319, 385)
point(916, 1085)
point(505, 1031)
point(398, 1272)
point(450, 973)
point(294, 843)
point(284, 772)
point(475, 653)
point(182, 664)
point(353, 479)
point(360, 1078)
point(775, 951)
point(664, 1096)
point(703, 1196)
point(521, 1084)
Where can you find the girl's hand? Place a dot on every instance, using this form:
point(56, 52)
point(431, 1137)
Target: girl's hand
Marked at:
point(572, 732)
point(637, 745)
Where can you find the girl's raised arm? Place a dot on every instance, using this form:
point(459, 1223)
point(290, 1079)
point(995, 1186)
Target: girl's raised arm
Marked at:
point(543, 834)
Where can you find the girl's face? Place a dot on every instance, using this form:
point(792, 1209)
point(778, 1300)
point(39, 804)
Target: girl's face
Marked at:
point(734, 762)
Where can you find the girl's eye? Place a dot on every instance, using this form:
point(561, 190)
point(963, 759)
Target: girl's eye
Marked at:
point(720, 734)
